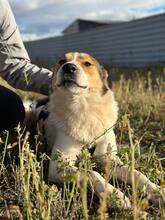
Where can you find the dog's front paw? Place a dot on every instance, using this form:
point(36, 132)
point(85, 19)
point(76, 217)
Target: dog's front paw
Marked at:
point(117, 199)
point(157, 197)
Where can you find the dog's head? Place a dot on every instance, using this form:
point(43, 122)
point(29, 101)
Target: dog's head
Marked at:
point(80, 73)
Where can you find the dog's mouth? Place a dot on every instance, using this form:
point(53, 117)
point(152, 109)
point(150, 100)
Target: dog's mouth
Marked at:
point(70, 82)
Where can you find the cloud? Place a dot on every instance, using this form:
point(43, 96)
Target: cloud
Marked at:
point(40, 18)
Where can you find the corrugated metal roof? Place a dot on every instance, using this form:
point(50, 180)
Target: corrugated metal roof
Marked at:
point(135, 43)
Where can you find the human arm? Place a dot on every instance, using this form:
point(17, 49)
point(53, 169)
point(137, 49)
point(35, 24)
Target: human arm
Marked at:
point(15, 65)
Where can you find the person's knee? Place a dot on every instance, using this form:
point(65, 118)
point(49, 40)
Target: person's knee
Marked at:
point(12, 110)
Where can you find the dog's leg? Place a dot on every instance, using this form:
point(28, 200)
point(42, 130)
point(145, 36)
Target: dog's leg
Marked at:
point(155, 193)
point(100, 186)
point(124, 173)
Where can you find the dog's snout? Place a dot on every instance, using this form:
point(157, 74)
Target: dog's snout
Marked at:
point(69, 68)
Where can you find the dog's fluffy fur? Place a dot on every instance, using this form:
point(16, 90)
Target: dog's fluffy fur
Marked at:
point(79, 115)
point(81, 109)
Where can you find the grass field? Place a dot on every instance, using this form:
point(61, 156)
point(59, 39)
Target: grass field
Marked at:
point(141, 127)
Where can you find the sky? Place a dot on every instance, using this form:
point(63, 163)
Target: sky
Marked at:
point(44, 18)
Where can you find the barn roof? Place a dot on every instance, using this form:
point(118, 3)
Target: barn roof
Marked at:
point(80, 25)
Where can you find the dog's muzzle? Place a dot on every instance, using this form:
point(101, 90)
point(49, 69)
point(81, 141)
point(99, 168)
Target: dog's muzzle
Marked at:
point(69, 68)
point(69, 74)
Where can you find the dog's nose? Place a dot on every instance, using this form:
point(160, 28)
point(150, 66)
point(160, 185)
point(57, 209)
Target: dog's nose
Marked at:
point(69, 68)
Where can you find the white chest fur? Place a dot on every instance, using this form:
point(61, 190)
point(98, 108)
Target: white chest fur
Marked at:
point(59, 140)
point(77, 120)
point(66, 144)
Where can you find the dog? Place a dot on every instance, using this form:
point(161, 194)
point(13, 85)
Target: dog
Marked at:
point(81, 110)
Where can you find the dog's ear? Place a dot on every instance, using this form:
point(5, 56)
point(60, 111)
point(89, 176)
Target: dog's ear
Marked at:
point(103, 74)
point(54, 69)
point(104, 77)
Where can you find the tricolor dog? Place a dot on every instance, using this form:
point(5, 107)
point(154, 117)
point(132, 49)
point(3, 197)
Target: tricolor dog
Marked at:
point(81, 108)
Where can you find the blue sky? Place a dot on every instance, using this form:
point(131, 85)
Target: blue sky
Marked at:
point(40, 18)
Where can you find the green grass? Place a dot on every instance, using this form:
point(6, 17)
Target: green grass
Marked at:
point(140, 134)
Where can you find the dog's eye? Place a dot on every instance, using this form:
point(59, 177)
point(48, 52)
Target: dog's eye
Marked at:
point(86, 63)
point(61, 62)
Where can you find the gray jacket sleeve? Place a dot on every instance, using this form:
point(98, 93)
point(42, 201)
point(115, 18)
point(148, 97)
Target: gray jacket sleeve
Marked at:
point(15, 65)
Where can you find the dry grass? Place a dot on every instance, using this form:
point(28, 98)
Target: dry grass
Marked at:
point(141, 140)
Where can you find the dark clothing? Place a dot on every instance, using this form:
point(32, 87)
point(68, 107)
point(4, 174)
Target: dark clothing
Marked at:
point(12, 110)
